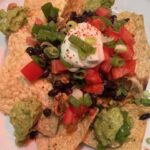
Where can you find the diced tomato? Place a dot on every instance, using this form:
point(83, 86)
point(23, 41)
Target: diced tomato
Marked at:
point(57, 67)
point(112, 34)
point(103, 12)
point(92, 77)
point(118, 72)
point(31, 41)
point(106, 66)
point(97, 23)
point(130, 66)
point(94, 89)
point(79, 111)
point(32, 71)
point(92, 111)
point(68, 117)
point(126, 36)
point(38, 21)
point(127, 69)
point(128, 54)
point(108, 52)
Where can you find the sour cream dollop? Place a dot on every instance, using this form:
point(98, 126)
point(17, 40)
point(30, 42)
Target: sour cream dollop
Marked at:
point(69, 53)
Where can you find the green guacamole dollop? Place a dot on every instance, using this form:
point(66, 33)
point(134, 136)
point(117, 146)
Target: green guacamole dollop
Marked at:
point(107, 125)
point(12, 20)
point(92, 5)
point(23, 117)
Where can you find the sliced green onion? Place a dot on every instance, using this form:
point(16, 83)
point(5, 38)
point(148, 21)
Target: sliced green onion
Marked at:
point(90, 40)
point(145, 102)
point(84, 49)
point(118, 24)
point(110, 44)
point(86, 100)
point(107, 21)
point(38, 60)
point(50, 27)
point(122, 91)
point(71, 24)
point(51, 52)
point(148, 140)
point(44, 35)
point(80, 75)
point(117, 61)
point(49, 10)
point(74, 102)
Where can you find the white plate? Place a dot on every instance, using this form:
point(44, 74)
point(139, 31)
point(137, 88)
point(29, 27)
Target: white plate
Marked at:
point(7, 140)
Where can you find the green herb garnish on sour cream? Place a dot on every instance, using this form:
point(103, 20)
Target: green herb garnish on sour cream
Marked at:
point(84, 48)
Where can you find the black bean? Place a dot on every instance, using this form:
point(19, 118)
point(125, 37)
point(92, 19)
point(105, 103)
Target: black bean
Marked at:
point(46, 73)
point(81, 18)
point(68, 91)
point(127, 19)
point(38, 50)
point(53, 92)
point(144, 116)
point(113, 18)
point(47, 112)
point(58, 84)
point(33, 134)
point(119, 97)
point(94, 97)
point(30, 51)
point(73, 16)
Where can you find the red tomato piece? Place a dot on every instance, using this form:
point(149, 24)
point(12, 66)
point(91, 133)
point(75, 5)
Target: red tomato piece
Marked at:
point(68, 117)
point(106, 66)
point(38, 21)
point(57, 67)
point(103, 12)
point(31, 41)
point(32, 71)
point(118, 72)
point(94, 89)
point(127, 69)
point(112, 34)
point(98, 23)
point(130, 66)
point(108, 52)
point(92, 111)
point(79, 111)
point(126, 36)
point(128, 54)
point(92, 77)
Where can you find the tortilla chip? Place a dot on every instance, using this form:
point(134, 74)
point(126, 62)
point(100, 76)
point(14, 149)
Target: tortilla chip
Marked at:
point(14, 86)
point(48, 126)
point(42, 142)
point(36, 4)
point(141, 47)
point(137, 133)
point(69, 141)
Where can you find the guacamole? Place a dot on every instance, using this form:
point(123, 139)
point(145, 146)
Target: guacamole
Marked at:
point(12, 20)
point(92, 5)
point(23, 116)
point(107, 125)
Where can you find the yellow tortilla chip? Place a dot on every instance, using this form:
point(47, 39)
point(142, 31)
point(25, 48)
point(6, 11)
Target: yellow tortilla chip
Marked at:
point(67, 141)
point(141, 47)
point(14, 86)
